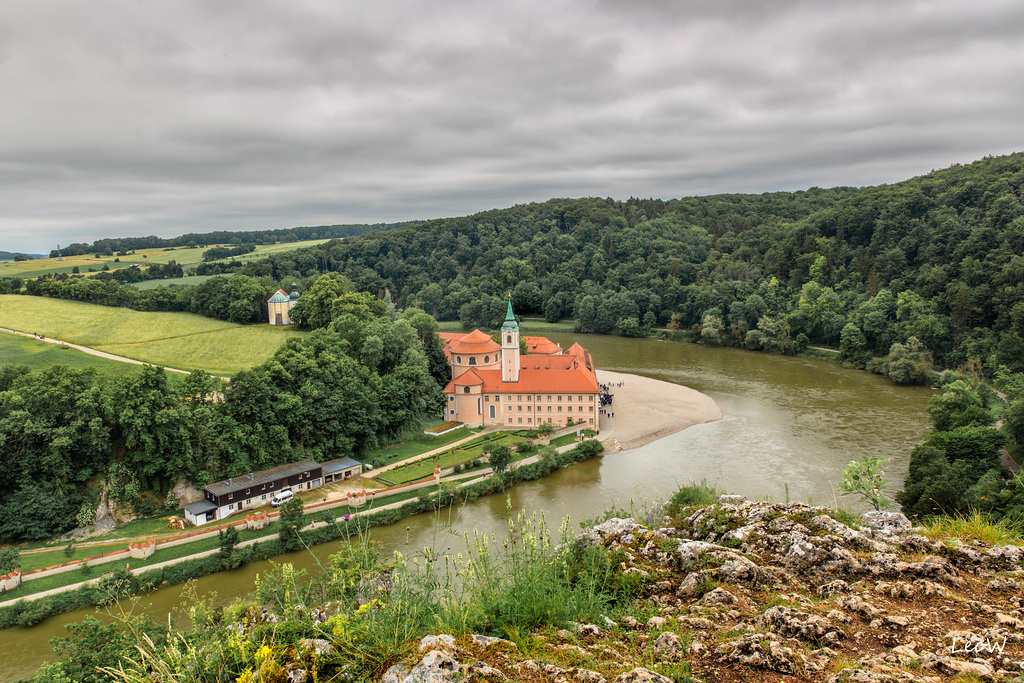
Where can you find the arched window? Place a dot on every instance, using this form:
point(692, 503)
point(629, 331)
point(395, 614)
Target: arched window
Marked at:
point(491, 412)
point(479, 406)
point(472, 360)
point(508, 340)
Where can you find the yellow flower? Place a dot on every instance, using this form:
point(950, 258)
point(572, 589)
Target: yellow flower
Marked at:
point(263, 652)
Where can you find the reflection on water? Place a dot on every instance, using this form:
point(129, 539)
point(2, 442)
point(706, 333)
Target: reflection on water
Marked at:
point(789, 422)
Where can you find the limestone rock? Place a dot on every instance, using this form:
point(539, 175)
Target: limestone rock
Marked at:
point(668, 646)
point(719, 596)
point(442, 641)
point(488, 641)
point(761, 651)
point(484, 670)
point(641, 675)
point(395, 674)
point(889, 523)
point(186, 493)
point(435, 667)
point(790, 623)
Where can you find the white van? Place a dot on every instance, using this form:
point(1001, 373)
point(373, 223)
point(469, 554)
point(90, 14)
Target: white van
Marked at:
point(281, 497)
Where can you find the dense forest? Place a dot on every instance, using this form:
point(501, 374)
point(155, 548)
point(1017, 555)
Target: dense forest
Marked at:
point(958, 469)
point(936, 259)
point(358, 381)
point(122, 245)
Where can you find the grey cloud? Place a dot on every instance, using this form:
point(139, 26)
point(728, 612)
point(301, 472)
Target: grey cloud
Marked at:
point(147, 118)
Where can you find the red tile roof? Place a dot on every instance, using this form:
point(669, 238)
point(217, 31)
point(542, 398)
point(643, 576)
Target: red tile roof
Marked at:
point(548, 375)
point(474, 342)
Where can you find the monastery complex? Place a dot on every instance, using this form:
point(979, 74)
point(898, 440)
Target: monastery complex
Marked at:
point(495, 384)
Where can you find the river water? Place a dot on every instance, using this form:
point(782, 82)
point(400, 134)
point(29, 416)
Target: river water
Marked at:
point(790, 426)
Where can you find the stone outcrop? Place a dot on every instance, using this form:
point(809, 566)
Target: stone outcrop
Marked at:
point(744, 590)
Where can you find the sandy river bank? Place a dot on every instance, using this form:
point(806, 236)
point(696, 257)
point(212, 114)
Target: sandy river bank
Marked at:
point(649, 409)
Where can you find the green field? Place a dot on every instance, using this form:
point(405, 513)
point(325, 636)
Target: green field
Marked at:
point(186, 258)
point(176, 340)
point(420, 469)
point(187, 280)
point(39, 355)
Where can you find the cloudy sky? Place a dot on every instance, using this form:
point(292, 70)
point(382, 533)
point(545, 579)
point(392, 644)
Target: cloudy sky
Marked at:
point(147, 117)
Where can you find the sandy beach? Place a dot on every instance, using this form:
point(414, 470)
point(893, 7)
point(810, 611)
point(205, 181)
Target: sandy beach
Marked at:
point(649, 409)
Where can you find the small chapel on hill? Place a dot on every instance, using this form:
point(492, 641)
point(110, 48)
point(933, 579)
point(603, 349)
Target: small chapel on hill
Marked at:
point(496, 384)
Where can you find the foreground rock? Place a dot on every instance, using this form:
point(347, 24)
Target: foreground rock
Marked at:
point(744, 590)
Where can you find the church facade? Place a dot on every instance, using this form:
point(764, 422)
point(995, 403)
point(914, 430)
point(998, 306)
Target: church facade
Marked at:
point(495, 384)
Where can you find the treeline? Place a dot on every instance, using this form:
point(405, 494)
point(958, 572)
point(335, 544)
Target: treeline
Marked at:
point(110, 246)
point(357, 382)
point(238, 299)
point(227, 252)
point(958, 469)
point(936, 258)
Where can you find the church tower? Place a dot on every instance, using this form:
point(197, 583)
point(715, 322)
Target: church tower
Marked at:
point(510, 347)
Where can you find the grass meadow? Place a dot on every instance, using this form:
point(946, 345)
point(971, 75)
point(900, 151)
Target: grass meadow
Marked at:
point(187, 280)
point(39, 355)
point(176, 340)
point(186, 258)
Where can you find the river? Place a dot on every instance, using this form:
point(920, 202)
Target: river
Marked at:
point(791, 424)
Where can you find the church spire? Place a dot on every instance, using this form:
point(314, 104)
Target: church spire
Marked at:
point(510, 318)
point(510, 346)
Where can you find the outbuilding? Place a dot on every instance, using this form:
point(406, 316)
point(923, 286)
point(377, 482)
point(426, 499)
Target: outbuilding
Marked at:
point(341, 469)
point(225, 498)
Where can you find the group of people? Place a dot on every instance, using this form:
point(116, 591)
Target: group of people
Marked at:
point(605, 399)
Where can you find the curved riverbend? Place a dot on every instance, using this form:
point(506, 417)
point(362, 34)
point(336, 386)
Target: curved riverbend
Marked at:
point(787, 422)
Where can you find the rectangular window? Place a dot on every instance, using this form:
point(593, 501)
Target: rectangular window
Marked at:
point(538, 397)
point(519, 408)
point(549, 398)
point(549, 409)
point(263, 497)
point(529, 420)
point(568, 398)
point(559, 408)
point(519, 397)
point(487, 398)
point(231, 506)
point(529, 409)
point(559, 399)
point(591, 408)
point(497, 398)
point(581, 398)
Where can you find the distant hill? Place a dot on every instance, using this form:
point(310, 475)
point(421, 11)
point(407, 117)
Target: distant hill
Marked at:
point(194, 239)
point(9, 255)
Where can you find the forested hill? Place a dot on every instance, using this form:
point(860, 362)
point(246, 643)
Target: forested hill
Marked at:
point(937, 257)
